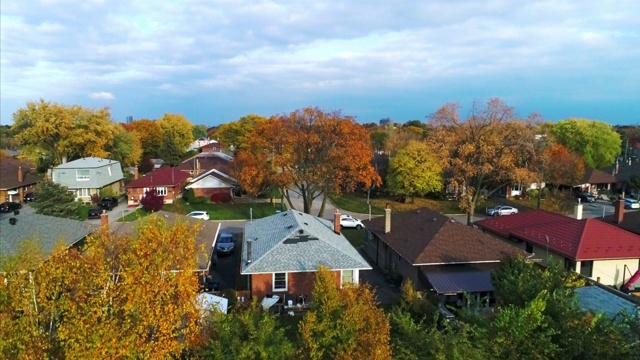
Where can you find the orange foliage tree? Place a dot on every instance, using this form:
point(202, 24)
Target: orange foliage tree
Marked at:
point(309, 151)
point(150, 135)
point(122, 297)
point(561, 166)
point(485, 152)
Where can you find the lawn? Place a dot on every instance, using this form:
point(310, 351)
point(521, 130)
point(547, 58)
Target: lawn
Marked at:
point(225, 211)
point(355, 237)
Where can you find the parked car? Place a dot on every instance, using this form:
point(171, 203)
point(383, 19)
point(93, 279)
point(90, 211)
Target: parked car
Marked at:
point(225, 244)
point(502, 210)
point(631, 204)
point(585, 197)
point(10, 206)
point(199, 215)
point(108, 203)
point(94, 213)
point(347, 221)
point(28, 197)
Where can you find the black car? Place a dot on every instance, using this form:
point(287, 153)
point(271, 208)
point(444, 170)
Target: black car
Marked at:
point(108, 203)
point(29, 197)
point(94, 213)
point(585, 197)
point(10, 206)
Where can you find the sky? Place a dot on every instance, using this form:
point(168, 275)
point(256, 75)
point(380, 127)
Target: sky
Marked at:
point(215, 61)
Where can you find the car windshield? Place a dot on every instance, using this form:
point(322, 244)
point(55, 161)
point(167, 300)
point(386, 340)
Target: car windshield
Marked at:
point(226, 239)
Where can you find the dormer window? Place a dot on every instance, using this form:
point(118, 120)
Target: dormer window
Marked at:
point(83, 175)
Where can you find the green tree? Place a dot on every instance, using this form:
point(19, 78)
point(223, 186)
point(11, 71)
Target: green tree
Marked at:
point(634, 182)
point(200, 131)
point(597, 142)
point(344, 323)
point(234, 135)
point(55, 200)
point(379, 140)
point(177, 135)
point(125, 148)
point(249, 334)
point(415, 170)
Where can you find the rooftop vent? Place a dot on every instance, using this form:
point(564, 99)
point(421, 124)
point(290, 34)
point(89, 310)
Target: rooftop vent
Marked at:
point(300, 231)
point(13, 221)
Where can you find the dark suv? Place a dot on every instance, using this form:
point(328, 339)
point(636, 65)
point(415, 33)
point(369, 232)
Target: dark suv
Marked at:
point(108, 203)
point(94, 213)
point(28, 197)
point(10, 206)
point(585, 197)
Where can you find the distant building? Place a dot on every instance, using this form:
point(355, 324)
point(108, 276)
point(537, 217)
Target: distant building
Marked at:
point(386, 121)
point(129, 119)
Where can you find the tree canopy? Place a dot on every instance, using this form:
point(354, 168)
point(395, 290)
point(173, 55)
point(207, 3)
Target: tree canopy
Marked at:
point(485, 152)
point(150, 135)
point(234, 135)
point(55, 200)
point(177, 135)
point(312, 152)
point(415, 170)
point(597, 142)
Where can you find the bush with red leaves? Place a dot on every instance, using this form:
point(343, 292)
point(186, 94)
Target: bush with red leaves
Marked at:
point(221, 198)
point(152, 201)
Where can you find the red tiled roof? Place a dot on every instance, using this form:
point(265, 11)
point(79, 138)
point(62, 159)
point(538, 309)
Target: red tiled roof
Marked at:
point(587, 239)
point(164, 176)
point(427, 237)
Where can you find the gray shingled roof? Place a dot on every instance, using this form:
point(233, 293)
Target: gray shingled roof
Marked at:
point(597, 300)
point(85, 163)
point(296, 242)
point(47, 230)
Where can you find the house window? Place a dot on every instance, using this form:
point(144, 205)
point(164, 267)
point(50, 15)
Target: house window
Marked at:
point(586, 268)
point(569, 265)
point(280, 282)
point(83, 193)
point(161, 191)
point(347, 277)
point(83, 175)
point(528, 248)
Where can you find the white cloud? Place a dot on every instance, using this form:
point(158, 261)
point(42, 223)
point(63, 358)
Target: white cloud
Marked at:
point(102, 95)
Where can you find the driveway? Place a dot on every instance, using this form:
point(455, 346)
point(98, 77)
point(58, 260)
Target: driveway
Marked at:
point(227, 269)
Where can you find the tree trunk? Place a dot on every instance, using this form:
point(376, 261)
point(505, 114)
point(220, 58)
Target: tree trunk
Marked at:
point(322, 206)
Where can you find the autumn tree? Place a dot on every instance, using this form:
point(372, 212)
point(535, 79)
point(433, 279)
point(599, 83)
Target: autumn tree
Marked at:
point(311, 152)
point(485, 152)
point(55, 200)
point(597, 142)
point(150, 135)
point(152, 201)
point(124, 296)
point(125, 148)
point(234, 135)
point(344, 323)
point(560, 166)
point(415, 170)
point(62, 132)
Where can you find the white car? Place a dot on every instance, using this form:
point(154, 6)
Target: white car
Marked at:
point(347, 221)
point(199, 215)
point(502, 210)
point(631, 204)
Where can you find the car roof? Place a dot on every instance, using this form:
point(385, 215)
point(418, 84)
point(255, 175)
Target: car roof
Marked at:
point(196, 212)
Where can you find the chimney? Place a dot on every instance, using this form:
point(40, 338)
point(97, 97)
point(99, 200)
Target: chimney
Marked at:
point(387, 219)
point(248, 251)
point(197, 167)
point(336, 222)
point(617, 168)
point(618, 215)
point(20, 174)
point(135, 173)
point(578, 210)
point(104, 221)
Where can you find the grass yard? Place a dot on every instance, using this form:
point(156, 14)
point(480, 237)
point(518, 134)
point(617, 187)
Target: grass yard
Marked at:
point(355, 237)
point(225, 211)
point(355, 203)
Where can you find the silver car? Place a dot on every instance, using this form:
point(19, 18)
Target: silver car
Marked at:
point(502, 210)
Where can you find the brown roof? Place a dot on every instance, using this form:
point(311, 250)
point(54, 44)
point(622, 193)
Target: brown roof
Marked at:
point(630, 221)
point(595, 176)
point(207, 162)
point(625, 170)
point(425, 237)
point(9, 174)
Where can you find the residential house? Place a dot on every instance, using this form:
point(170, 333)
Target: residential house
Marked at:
point(214, 184)
point(597, 181)
point(168, 182)
point(16, 179)
point(199, 143)
point(627, 220)
point(88, 176)
point(436, 252)
point(282, 253)
point(591, 247)
point(600, 299)
point(46, 231)
point(203, 162)
point(212, 147)
point(205, 236)
point(622, 172)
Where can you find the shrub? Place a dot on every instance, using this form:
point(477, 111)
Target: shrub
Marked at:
point(95, 198)
point(221, 198)
point(152, 202)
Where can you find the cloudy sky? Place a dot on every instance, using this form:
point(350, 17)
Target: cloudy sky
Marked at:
point(217, 60)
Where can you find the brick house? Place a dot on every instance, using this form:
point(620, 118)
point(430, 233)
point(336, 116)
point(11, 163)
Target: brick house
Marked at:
point(282, 253)
point(168, 181)
point(436, 252)
point(16, 179)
